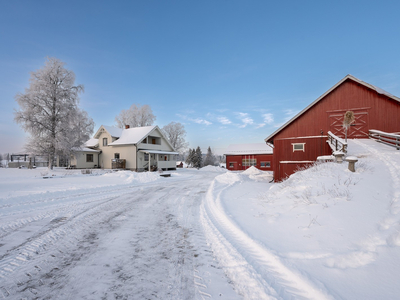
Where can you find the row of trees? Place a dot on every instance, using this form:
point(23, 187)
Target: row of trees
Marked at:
point(195, 158)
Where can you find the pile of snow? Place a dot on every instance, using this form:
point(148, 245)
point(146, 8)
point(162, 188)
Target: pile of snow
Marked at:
point(130, 177)
point(331, 225)
point(213, 169)
point(252, 171)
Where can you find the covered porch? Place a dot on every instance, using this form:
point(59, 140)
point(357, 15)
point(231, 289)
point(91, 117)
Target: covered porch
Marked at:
point(155, 159)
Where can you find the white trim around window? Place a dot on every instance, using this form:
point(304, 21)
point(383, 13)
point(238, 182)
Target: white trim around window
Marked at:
point(299, 147)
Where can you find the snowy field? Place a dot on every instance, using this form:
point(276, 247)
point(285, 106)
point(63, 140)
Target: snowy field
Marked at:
point(325, 233)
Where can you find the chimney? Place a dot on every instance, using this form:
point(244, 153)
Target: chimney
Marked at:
point(126, 126)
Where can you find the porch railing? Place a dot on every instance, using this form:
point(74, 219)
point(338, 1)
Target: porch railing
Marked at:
point(336, 143)
point(117, 163)
point(390, 139)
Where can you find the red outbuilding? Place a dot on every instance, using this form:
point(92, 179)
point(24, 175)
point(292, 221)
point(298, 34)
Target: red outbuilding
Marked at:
point(243, 156)
point(303, 138)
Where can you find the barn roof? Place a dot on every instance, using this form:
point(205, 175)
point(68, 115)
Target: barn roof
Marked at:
point(350, 77)
point(248, 149)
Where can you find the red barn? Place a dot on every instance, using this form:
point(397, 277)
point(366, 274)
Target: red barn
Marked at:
point(303, 138)
point(243, 156)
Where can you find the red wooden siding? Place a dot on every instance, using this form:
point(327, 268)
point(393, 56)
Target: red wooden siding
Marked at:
point(286, 161)
point(236, 161)
point(372, 111)
point(378, 111)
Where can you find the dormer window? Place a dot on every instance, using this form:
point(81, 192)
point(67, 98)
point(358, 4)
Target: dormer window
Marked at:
point(105, 142)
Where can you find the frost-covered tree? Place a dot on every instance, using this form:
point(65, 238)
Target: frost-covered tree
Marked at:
point(49, 112)
point(189, 159)
point(197, 158)
point(210, 158)
point(135, 116)
point(175, 133)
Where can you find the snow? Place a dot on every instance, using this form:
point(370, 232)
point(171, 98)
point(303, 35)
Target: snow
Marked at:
point(133, 135)
point(112, 130)
point(325, 233)
point(248, 149)
point(91, 143)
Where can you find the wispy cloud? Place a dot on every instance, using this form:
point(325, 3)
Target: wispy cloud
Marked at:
point(201, 121)
point(245, 118)
point(196, 120)
point(267, 119)
point(224, 120)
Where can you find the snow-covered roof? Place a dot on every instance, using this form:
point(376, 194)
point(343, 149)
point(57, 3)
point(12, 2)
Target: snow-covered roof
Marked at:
point(92, 143)
point(133, 135)
point(85, 149)
point(377, 89)
point(113, 131)
point(248, 149)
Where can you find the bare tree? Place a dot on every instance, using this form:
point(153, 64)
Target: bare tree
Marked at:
point(175, 133)
point(49, 111)
point(135, 116)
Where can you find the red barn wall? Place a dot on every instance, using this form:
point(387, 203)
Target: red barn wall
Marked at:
point(380, 112)
point(286, 161)
point(237, 161)
point(372, 111)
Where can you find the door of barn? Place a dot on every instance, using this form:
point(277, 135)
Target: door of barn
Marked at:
point(358, 129)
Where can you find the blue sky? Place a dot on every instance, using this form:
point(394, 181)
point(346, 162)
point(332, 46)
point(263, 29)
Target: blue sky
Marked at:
point(230, 71)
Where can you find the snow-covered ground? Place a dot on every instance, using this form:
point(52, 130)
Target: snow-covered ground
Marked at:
point(325, 233)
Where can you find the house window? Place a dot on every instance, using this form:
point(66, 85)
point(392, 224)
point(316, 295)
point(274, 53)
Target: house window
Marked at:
point(89, 157)
point(146, 157)
point(116, 155)
point(265, 164)
point(105, 142)
point(298, 147)
point(248, 162)
point(153, 141)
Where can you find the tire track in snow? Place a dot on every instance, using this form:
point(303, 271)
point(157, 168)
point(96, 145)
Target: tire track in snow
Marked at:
point(255, 271)
point(82, 217)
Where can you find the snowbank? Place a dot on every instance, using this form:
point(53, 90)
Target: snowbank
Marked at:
point(213, 169)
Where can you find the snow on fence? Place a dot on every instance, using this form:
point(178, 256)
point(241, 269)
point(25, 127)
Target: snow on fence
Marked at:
point(336, 143)
point(390, 139)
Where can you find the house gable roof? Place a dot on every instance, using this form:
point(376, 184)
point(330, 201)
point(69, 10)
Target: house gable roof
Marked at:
point(136, 135)
point(113, 131)
point(347, 77)
point(133, 135)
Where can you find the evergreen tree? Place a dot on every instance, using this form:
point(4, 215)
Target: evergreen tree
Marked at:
point(198, 158)
point(210, 158)
point(189, 159)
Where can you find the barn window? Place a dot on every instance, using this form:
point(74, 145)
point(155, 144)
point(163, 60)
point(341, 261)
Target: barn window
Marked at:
point(231, 165)
point(89, 157)
point(248, 162)
point(298, 147)
point(265, 164)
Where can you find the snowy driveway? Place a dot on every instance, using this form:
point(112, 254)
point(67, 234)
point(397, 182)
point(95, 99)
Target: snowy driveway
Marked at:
point(136, 241)
point(325, 233)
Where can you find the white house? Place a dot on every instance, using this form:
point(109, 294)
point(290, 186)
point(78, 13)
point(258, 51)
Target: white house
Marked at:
point(138, 149)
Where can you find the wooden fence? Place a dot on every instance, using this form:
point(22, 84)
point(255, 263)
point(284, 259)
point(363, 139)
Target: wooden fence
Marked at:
point(336, 143)
point(390, 139)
